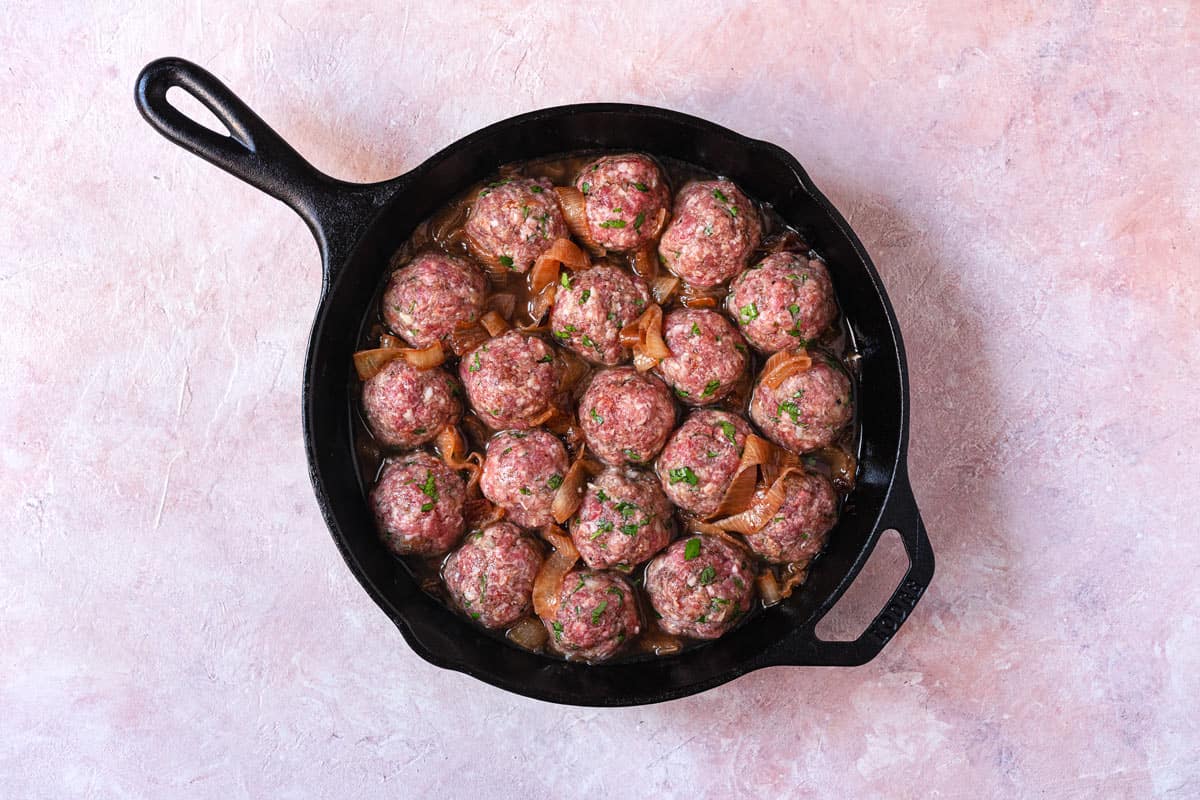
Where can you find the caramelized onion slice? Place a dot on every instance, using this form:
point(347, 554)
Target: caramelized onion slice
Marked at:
point(561, 251)
point(782, 366)
point(645, 263)
point(466, 337)
point(387, 340)
point(796, 575)
point(529, 633)
point(494, 324)
point(763, 508)
point(569, 495)
point(503, 304)
point(576, 369)
point(368, 363)
point(556, 566)
point(695, 297)
point(540, 304)
point(699, 302)
point(663, 287)
point(574, 211)
point(659, 642)
point(479, 513)
point(740, 492)
point(453, 449)
point(768, 588)
point(644, 335)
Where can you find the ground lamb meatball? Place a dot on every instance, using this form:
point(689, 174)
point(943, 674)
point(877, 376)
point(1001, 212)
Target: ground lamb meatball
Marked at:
point(490, 577)
point(700, 586)
point(625, 196)
point(626, 416)
point(707, 355)
point(713, 232)
point(699, 461)
point(522, 472)
point(591, 307)
point(597, 613)
point(624, 519)
point(783, 302)
point(511, 379)
point(427, 299)
point(514, 221)
point(807, 410)
point(799, 529)
point(406, 407)
point(418, 504)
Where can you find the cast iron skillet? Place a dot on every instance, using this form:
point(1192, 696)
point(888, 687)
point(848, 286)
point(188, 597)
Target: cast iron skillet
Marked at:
point(358, 226)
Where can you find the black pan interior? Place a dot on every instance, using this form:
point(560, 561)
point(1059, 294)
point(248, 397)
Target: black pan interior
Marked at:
point(767, 174)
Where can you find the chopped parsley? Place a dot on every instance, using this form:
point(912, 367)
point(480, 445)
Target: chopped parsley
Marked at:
point(586, 187)
point(588, 342)
point(482, 585)
point(536, 189)
point(524, 490)
point(691, 549)
point(789, 408)
point(584, 295)
point(630, 529)
point(614, 590)
point(708, 229)
point(475, 363)
point(638, 220)
point(728, 430)
point(597, 611)
point(710, 387)
point(721, 198)
point(626, 510)
point(632, 454)
point(711, 454)
point(684, 475)
point(546, 359)
point(525, 211)
point(565, 280)
point(555, 481)
point(682, 392)
point(599, 420)
point(741, 348)
point(601, 496)
point(564, 335)
point(613, 223)
point(429, 489)
point(557, 630)
point(603, 526)
point(506, 261)
point(793, 309)
point(707, 575)
point(641, 187)
point(695, 329)
point(747, 314)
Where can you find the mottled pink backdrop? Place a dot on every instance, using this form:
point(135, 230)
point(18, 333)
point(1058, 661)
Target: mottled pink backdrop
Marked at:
point(176, 622)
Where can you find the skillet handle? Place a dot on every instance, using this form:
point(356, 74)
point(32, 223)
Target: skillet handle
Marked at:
point(337, 212)
point(901, 513)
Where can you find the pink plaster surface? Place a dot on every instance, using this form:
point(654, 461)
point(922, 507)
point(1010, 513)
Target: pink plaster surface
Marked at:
point(174, 618)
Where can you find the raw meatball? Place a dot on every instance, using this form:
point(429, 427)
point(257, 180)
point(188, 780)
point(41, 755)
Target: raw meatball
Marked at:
point(406, 407)
point(521, 473)
point(714, 230)
point(491, 576)
point(625, 196)
point(807, 410)
point(626, 416)
point(592, 306)
point(699, 462)
point(596, 614)
point(514, 221)
point(511, 379)
point(783, 302)
point(418, 504)
point(707, 355)
point(799, 530)
point(624, 519)
point(425, 300)
point(701, 586)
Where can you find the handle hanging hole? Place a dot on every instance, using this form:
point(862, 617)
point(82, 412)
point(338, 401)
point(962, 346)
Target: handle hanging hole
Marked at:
point(869, 593)
point(189, 106)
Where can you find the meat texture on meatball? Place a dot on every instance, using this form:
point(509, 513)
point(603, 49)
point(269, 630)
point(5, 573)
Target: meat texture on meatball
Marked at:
point(707, 355)
point(626, 416)
point(626, 194)
point(597, 613)
point(511, 379)
point(490, 576)
point(522, 473)
point(406, 407)
point(514, 221)
point(425, 300)
point(591, 307)
point(799, 529)
point(806, 410)
point(711, 236)
point(785, 301)
point(700, 586)
point(624, 519)
point(418, 505)
point(701, 459)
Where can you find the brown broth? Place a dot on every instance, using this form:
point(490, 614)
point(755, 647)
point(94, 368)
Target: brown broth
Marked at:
point(444, 231)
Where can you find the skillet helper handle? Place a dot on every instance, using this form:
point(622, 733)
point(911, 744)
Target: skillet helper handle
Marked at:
point(902, 514)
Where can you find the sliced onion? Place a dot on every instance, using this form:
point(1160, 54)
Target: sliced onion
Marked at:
point(699, 302)
point(574, 211)
point(453, 449)
point(740, 492)
point(466, 337)
point(644, 335)
point(843, 466)
point(503, 304)
point(660, 222)
point(569, 495)
point(529, 633)
point(387, 340)
point(494, 324)
point(695, 297)
point(544, 273)
point(369, 363)
point(576, 369)
point(768, 588)
point(796, 575)
point(782, 366)
point(663, 288)
point(556, 566)
point(645, 263)
point(765, 504)
point(659, 642)
point(480, 513)
point(540, 304)
point(561, 251)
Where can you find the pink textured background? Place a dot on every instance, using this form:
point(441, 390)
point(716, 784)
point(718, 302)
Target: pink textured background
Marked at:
point(176, 622)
